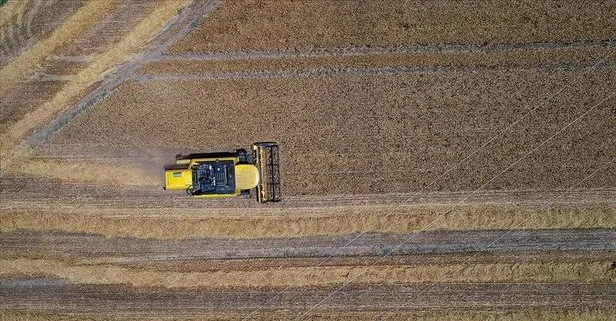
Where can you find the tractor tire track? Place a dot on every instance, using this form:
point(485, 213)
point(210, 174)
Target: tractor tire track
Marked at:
point(34, 23)
point(356, 72)
point(467, 259)
point(31, 14)
point(175, 29)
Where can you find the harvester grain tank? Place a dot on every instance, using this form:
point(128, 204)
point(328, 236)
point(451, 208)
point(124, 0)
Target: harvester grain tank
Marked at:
point(223, 174)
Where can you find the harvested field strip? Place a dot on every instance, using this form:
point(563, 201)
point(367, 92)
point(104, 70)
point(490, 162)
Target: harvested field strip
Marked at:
point(55, 66)
point(27, 192)
point(338, 221)
point(469, 315)
point(54, 295)
point(45, 77)
point(264, 25)
point(100, 65)
point(17, 101)
point(87, 172)
point(597, 272)
point(86, 16)
point(427, 247)
point(507, 59)
point(468, 258)
point(342, 315)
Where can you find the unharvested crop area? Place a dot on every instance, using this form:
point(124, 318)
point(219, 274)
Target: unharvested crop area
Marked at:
point(295, 25)
point(440, 160)
point(431, 121)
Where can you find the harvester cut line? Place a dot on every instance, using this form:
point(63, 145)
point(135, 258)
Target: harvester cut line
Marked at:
point(359, 72)
point(376, 50)
point(305, 207)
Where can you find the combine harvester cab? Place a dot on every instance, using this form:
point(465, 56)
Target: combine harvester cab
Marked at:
point(213, 175)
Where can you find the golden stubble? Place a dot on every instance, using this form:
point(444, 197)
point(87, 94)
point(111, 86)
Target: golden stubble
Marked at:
point(13, 10)
point(586, 272)
point(87, 172)
point(165, 223)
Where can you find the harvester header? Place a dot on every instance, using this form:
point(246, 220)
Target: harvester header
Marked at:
point(223, 174)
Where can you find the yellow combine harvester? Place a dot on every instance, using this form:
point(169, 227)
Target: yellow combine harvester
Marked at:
point(211, 175)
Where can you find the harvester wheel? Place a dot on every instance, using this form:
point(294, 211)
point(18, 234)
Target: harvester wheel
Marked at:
point(190, 191)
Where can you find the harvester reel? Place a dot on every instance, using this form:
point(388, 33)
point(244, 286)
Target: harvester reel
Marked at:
point(265, 156)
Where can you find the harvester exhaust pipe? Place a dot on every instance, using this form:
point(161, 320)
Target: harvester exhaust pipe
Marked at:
point(265, 155)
